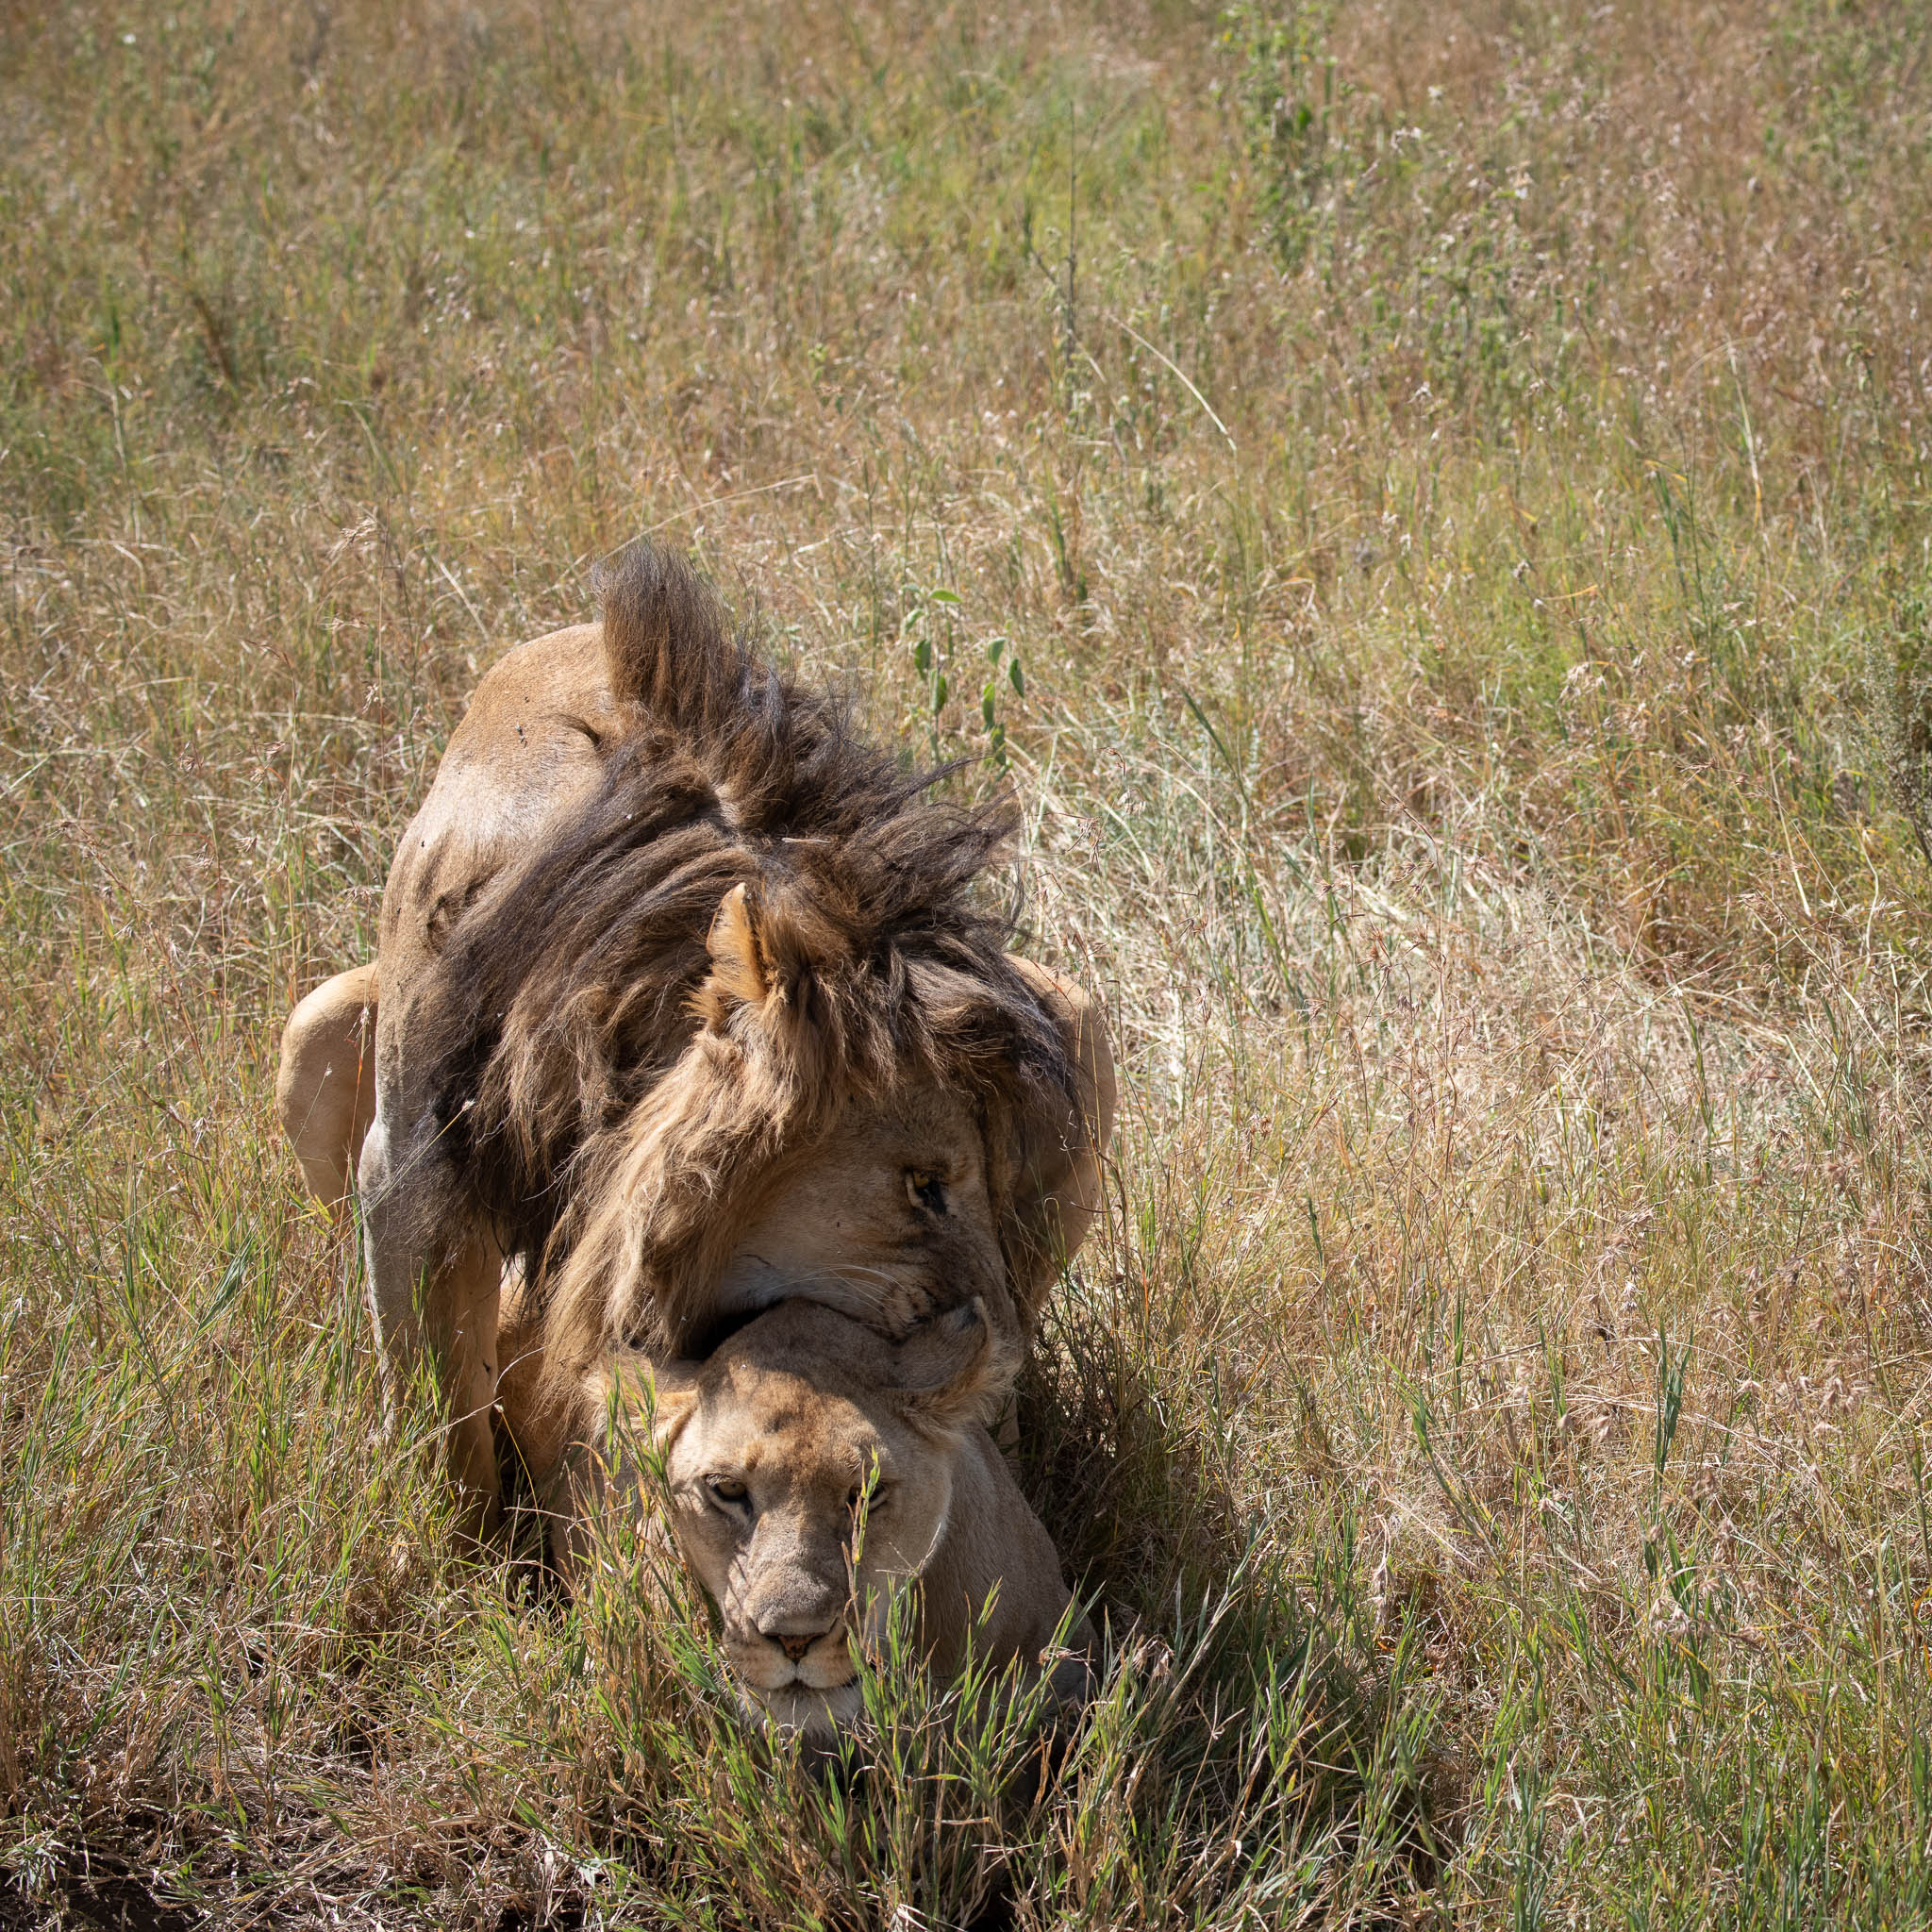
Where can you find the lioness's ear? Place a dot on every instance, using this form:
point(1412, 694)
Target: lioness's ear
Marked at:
point(672, 1400)
point(953, 1370)
point(660, 1397)
point(1054, 1194)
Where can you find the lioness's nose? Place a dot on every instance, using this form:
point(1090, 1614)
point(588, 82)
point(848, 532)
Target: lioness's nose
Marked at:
point(795, 1643)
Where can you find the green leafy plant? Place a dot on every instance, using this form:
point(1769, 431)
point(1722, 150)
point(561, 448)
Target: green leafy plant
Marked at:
point(994, 692)
point(931, 629)
point(1290, 98)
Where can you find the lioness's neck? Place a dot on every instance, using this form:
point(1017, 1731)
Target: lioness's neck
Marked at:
point(992, 1538)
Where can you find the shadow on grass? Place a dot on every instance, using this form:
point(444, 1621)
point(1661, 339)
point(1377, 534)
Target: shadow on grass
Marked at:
point(94, 1888)
point(1153, 1536)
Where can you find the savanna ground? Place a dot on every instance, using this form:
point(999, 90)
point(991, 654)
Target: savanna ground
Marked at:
point(1454, 480)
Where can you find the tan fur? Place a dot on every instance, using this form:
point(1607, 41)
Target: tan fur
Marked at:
point(326, 1088)
point(681, 987)
point(804, 1411)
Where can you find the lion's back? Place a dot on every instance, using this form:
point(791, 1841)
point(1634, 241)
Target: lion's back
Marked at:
point(528, 754)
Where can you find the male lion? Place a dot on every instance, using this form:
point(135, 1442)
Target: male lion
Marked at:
point(687, 1007)
point(810, 1470)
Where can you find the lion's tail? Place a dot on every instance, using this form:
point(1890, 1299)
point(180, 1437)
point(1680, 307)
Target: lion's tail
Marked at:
point(669, 644)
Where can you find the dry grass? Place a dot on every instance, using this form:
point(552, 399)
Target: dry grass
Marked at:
point(1454, 480)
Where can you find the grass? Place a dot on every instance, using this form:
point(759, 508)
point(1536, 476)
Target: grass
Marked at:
point(1455, 481)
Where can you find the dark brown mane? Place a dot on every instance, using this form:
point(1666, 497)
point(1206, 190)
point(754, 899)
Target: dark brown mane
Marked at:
point(571, 987)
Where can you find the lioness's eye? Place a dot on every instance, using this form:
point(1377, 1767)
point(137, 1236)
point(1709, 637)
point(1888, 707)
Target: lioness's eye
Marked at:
point(728, 1489)
point(925, 1190)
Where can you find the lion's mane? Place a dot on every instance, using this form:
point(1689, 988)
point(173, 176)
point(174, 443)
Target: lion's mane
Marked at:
point(610, 1112)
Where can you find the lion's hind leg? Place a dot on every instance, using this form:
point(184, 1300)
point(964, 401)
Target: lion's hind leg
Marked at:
point(326, 1097)
point(326, 1088)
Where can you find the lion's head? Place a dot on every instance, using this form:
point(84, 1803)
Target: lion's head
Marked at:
point(740, 1027)
point(811, 1468)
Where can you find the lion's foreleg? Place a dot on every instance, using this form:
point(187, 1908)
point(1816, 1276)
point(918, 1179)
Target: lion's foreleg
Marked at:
point(433, 1296)
point(467, 1349)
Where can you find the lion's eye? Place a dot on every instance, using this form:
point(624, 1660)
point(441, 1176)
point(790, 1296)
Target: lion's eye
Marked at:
point(925, 1190)
point(872, 1497)
point(726, 1488)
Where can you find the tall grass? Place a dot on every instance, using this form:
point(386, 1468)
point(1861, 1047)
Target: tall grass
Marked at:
point(1454, 480)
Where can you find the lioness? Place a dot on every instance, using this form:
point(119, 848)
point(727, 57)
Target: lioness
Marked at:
point(686, 1007)
point(806, 1434)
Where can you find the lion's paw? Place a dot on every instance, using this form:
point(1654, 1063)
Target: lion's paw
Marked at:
point(901, 1309)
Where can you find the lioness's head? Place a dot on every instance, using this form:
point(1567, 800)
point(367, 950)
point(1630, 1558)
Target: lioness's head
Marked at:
point(809, 1467)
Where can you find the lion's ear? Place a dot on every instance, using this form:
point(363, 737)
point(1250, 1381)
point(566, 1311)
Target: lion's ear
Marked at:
point(953, 1370)
point(1055, 1192)
point(761, 960)
point(741, 970)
